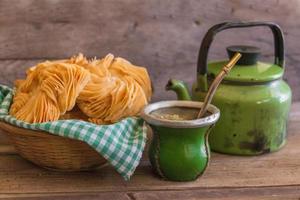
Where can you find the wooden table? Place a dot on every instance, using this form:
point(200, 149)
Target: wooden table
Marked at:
point(272, 176)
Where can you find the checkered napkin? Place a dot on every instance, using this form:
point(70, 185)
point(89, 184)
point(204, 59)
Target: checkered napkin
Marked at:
point(121, 143)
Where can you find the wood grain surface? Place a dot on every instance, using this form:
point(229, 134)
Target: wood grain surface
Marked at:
point(163, 35)
point(270, 176)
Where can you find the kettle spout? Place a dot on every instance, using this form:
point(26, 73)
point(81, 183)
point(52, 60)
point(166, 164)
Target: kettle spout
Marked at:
point(180, 88)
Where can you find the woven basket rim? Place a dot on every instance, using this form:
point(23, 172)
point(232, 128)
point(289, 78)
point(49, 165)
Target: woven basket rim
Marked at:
point(28, 132)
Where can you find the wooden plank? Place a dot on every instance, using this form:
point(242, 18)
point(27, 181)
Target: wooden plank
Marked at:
point(71, 196)
point(277, 169)
point(7, 149)
point(295, 112)
point(42, 29)
point(3, 139)
point(261, 193)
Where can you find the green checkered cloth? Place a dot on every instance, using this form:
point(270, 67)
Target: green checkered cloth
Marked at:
point(121, 143)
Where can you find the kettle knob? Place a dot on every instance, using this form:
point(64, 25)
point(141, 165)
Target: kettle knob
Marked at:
point(250, 54)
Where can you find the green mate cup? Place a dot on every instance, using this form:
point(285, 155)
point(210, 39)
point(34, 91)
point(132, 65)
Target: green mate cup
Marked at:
point(179, 150)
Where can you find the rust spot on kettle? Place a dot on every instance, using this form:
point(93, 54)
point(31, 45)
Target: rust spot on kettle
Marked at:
point(228, 142)
point(235, 111)
point(259, 143)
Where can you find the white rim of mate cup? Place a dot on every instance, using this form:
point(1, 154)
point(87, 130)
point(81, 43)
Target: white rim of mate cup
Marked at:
point(205, 121)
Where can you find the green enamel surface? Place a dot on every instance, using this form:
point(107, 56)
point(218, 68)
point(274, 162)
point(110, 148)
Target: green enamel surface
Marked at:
point(179, 154)
point(202, 82)
point(259, 72)
point(253, 117)
point(180, 88)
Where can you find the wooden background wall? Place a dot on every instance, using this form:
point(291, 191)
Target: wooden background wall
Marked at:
point(163, 35)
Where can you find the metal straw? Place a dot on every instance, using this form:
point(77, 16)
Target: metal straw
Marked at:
point(213, 87)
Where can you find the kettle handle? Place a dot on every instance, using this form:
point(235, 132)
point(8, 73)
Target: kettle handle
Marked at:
point(209, 36)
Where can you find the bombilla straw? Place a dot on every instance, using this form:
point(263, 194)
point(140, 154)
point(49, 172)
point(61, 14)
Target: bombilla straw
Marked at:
point(213, 87)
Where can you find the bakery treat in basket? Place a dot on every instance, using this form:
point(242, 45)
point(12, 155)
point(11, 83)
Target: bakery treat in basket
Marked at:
point(103, 92)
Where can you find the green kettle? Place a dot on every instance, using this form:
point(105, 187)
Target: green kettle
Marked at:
point(253, 98)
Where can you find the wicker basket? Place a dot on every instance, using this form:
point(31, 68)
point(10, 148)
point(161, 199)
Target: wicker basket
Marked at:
point(53, 152)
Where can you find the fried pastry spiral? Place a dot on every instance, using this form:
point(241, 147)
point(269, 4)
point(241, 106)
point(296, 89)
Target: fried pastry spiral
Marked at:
point(105, 90)
point(117, 89)
point(49, 90)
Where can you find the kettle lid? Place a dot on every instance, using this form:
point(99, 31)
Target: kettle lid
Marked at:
point(250, 54)
point(248, 68)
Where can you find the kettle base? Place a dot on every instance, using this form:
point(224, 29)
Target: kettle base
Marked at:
point(248, 153)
